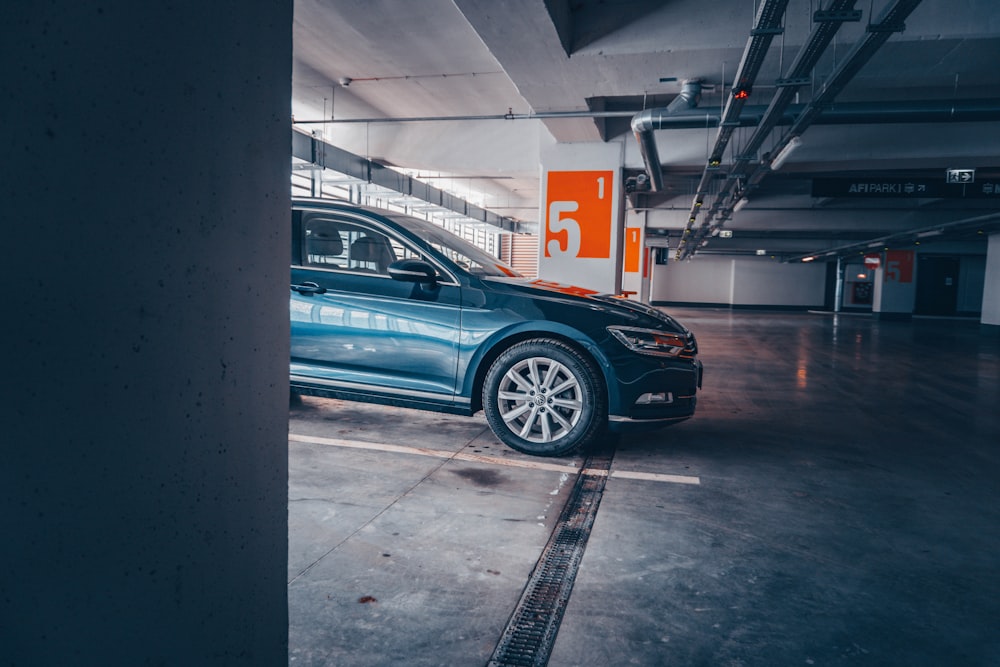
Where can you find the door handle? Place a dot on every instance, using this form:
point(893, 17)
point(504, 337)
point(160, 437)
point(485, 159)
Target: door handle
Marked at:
point(309, 289)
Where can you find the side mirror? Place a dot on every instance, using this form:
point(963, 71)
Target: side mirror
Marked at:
point(412, 271)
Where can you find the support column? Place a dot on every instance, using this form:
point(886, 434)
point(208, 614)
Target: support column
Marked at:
point(580, 236)
point(635, 266)
point(895, 285)
point(991, 286)
point(143, 485)
point(838, 295)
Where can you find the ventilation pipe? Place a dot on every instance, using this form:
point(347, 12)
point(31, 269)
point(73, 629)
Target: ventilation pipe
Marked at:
point(644, 122)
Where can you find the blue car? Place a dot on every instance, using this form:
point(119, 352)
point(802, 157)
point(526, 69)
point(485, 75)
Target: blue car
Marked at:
point(390, 309)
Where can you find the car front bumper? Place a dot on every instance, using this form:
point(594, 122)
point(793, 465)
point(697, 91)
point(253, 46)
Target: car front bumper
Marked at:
point(663, 393)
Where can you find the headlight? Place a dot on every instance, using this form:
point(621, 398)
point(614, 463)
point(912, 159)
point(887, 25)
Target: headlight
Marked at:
point(654, 342)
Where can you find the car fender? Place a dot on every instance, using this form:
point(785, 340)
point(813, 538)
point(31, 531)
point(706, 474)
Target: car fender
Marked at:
point(502, 339)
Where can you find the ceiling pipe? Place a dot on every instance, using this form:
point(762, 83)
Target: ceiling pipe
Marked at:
point(766, 27)
point(891, 21)
point(920, 111)
point(767, 24)
point(510, 115)
point(798, 74)
point(827, 23)
point(644, 122)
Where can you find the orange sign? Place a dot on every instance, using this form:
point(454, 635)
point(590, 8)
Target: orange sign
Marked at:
point(578, 214)
point(899, 266)
point(633, 249)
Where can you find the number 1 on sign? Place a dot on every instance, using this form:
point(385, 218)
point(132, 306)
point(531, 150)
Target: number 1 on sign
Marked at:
point(600, 188)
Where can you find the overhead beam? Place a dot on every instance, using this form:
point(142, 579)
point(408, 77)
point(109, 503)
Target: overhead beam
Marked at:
point(538, 41)
point(317, 152)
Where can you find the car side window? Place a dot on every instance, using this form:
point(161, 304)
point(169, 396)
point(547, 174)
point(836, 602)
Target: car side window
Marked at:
point(353, 246)
point(348, 245)
point(324, 243)
point(369, 251)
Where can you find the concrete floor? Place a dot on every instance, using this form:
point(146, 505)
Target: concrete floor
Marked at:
point(846, 512)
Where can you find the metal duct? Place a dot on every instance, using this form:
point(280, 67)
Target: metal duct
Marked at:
point(845, 113)
point(877, 34)
point(644, 122)
point(848, 113)
point(808, 56)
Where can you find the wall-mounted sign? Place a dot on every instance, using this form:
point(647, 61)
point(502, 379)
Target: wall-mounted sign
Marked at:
point(579, 214)
point(873, 261)
point(899, 266)
point(633, 249)
point(726, 234)
point(960, 176)
point(904, 188)
point(581, 217)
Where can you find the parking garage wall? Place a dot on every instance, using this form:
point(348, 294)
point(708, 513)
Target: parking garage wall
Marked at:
point(748, 282)
point(971, 282)
point(991, 291)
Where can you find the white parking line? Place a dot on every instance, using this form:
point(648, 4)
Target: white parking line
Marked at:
point(494, 460)
point(656, 477)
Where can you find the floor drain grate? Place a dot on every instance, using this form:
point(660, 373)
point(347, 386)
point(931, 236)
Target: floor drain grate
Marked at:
point(531, 631)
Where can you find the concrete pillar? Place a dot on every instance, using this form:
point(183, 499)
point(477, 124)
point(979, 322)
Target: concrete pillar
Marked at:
point(144, 197)
point(895, 285)
point(991, 285)
point(583, 204)
point(636, 263)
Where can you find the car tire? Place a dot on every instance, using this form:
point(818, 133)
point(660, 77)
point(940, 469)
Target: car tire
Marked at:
point(545, 398)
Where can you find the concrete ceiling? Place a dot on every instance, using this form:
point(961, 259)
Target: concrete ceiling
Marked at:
point(462, 65)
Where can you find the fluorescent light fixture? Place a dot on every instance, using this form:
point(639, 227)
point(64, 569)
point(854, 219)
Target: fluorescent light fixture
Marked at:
point(783, 154)
point(808, 259)
point(933, 232)
point(875, 245)
point(740, 204)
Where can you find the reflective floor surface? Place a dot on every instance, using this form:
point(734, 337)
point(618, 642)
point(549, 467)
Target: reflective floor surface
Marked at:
point(834, 501)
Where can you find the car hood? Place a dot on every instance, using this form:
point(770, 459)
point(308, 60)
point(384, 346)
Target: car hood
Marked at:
point(581, 296)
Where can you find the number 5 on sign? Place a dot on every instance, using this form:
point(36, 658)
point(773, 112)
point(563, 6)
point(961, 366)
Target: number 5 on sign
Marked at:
point(899, 266)
point(559, 223)
point(578, 214)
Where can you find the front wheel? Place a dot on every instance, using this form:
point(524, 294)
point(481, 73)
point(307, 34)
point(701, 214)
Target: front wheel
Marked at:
point(543, 397)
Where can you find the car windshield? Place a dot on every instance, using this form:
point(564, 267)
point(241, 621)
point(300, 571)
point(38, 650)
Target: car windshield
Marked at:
point(461, 252)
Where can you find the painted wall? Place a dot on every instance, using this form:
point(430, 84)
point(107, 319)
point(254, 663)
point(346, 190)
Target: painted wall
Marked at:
point(971, 281)
point(739, 282)
point(991, 291)
point(144, 480)
point(704, 280)
point(769, 283)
